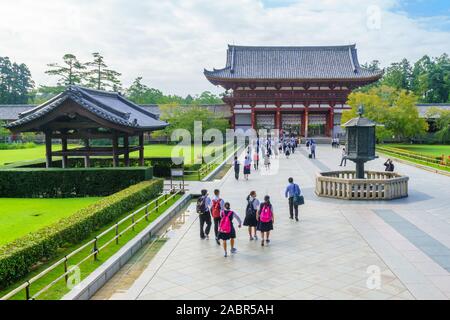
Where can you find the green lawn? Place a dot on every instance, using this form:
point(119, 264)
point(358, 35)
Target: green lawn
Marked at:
point(21, 216)
point(426, 149)
point(153, 150)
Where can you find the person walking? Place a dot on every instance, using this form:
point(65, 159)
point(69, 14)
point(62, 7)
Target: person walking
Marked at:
point(344, 157)
point(204, 215)
point(313, 150)
point(292, 191)
point(236, 166)
point(250, 215)
point(216, 207)
point(287, 152)
point(256, 160)
point(267, 161)
point(266, 219)
point(247, 166)
point(226, 228)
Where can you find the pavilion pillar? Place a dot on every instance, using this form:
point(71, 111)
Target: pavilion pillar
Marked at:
point(115, 149)
point(87, 159)
point(126, 145)
point(306, 122)
point(64, 149)
point(141, 149)
point(48, 149)
point(278, 120)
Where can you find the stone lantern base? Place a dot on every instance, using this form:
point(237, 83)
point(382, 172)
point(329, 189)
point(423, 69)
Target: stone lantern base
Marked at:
point(375, 186)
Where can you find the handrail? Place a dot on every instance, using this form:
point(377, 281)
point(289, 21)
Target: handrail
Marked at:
point(26, 285)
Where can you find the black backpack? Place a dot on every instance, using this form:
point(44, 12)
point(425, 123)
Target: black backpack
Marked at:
point(250, 211)
point(201, 205)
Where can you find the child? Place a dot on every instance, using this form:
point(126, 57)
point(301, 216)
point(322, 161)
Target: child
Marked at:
point(217, 206)
point(247, 166)
point(250, 215)
point(226, 227)
point(266, 219)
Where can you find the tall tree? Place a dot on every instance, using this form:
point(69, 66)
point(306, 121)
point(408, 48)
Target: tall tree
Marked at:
point(70, 72)
point(100, 77)
point(398, 75)
point(15, 82)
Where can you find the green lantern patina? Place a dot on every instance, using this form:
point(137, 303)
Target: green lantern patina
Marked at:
point(360, 141)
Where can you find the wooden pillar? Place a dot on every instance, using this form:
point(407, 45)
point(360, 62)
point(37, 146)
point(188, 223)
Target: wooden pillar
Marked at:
point(141, 149)
point(126, 145)
point(302, 127)
point(278, 120)
point(115, 147)
point(253, 118)
point(331, 121)
point(48, 149)
point(87, 159)
point(64, 149)
point(306, 122)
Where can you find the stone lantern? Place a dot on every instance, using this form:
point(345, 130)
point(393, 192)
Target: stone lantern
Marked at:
point(360, 141)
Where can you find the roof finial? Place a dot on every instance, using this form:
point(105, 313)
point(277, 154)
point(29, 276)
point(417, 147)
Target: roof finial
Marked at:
point(360, 110)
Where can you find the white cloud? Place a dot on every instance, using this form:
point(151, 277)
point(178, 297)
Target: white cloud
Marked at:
point(170, 42)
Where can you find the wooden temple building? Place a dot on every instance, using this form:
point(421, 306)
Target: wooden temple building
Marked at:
point(299, 90)
point(84, 114)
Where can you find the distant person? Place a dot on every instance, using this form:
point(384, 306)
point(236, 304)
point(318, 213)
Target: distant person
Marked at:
point(267, 161)
point(389, 165)
point(250, 215)
point(292, 192)
point(313, 150)
point(236, 166)
point(344, 157)
point(204, 214)
point(287, 152)
point(226, 228)
point(247, 166)
point(256, 160)
point(216, 207)
point(266, 219)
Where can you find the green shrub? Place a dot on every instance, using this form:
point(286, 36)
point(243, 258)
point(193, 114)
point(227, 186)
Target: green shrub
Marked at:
point(18, 257)
point(12, 146)
point(62, 183)
point(161, 165)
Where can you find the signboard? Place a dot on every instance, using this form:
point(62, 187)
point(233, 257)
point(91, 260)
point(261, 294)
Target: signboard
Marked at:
point(177, 172)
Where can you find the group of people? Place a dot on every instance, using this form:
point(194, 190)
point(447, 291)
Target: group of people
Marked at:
point(259, 216)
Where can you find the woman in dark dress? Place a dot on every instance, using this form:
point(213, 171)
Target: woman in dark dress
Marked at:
point(236, 166)
point(227, 213)
point(266, 219)
point(250, 215)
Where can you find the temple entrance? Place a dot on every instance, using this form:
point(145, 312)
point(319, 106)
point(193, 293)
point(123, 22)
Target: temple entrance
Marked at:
point(291, 123)
point(317, 125)
point(265, 121)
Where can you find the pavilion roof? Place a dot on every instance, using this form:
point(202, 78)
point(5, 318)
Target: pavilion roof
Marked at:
point(110, 106)
point(292, 63)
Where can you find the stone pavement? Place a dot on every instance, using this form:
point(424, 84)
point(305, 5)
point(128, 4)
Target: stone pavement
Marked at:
point(339, 249)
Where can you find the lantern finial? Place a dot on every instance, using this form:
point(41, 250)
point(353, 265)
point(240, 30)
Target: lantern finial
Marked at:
point(360, 110)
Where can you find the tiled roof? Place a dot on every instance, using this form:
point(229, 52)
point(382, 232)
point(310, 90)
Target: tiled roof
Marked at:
point(110, 106)
point(324, 63)
point(424, 107)
point(10, 112)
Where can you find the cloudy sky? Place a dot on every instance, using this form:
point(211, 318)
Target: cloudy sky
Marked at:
point(170, 42)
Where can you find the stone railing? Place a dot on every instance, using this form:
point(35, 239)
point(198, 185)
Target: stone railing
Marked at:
point(375, 186)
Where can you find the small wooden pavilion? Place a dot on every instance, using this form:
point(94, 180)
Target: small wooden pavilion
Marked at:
point(84, 114)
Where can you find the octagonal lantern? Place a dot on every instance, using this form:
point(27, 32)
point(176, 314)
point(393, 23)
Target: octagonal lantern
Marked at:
point(360, 141)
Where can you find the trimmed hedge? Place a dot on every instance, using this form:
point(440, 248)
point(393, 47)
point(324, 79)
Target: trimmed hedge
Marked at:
point(61, 183)
point(18, 257)
point(161, 165)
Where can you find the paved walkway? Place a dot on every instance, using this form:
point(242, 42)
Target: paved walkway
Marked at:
point(339, 250)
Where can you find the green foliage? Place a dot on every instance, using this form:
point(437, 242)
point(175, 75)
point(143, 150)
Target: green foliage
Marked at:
point(142, 94)
point(183, 118)
point(394, 109)
point(100, 76)
point(62, 183)
point(442, 118)
point(45, 93)
point(15, 82)
point(14, 146)
point(72, 71)
point(18, 257)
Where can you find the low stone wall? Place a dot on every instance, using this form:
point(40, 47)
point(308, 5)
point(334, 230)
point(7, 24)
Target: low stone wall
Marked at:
point(375, 186)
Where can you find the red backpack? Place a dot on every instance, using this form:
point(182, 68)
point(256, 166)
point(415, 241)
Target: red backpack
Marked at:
point(215, 208)
point(225, 223)
point(266, 213)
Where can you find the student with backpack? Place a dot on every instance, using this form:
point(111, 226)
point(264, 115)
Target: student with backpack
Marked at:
point(226, 227)
point(217, 206)
point(250, 215)
point(204, 214)
point(266, 219)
